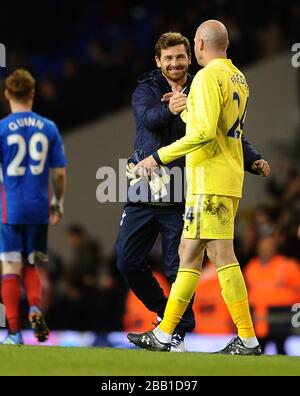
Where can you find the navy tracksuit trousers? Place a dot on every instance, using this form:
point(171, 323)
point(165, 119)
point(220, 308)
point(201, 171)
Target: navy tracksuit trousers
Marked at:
point(139, 228)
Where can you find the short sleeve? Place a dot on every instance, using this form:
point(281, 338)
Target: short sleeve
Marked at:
point(57, 151)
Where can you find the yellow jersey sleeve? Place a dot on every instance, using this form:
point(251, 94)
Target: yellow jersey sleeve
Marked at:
point(201, 117)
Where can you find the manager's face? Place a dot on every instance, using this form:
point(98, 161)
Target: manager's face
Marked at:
point(174, 62)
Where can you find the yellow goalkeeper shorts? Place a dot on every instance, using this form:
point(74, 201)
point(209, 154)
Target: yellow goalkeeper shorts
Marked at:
point(209, 216)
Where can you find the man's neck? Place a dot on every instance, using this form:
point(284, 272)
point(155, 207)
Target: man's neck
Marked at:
point(20, 107)
point(264, 261)
point(214, 55)
point(177, 84)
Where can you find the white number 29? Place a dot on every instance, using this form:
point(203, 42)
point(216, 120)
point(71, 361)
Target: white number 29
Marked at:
point(15, 168)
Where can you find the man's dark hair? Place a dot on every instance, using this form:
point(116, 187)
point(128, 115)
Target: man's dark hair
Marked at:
point(171, 39)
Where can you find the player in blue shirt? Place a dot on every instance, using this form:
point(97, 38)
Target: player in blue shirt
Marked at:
point(30, 145)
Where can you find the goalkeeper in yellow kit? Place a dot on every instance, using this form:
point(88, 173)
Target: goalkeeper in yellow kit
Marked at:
point(215, 114)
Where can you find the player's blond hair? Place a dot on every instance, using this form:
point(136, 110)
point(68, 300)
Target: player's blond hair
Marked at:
point(171, 39)
point(20, 85)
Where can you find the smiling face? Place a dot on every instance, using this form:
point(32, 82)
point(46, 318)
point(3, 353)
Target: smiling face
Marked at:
point(174, 62)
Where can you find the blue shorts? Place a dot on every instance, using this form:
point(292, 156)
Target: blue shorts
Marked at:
point(27, 241)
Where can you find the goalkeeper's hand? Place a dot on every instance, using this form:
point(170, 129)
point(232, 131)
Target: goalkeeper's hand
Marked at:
point(56, 210)
point(157, 178)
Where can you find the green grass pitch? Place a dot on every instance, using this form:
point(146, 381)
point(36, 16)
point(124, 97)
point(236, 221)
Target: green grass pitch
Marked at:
point(27, 360)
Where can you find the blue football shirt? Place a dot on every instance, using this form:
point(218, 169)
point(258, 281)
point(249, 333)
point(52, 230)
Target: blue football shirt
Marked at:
point(29, 146)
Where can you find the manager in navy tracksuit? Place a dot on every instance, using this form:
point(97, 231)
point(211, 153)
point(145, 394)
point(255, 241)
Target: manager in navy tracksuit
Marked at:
point(158, 124)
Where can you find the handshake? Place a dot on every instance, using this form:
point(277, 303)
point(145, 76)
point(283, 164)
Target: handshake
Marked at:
point(157, 180)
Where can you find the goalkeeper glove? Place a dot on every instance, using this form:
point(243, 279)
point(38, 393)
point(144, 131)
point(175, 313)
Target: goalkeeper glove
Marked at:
point(133, 176)
point(157, 181)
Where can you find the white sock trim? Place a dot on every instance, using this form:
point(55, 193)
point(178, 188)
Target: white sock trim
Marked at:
point(162, 337)
point(250, 342)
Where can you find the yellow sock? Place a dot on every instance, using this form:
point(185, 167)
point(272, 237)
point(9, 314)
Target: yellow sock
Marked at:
point(235, 296)
point(181, 294)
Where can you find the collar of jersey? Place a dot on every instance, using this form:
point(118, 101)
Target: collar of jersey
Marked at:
point(219, 61)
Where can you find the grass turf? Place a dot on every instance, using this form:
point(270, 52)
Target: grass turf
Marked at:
point(24, 360)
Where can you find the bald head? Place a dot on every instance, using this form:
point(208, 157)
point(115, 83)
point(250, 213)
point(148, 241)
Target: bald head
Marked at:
point(214, 34)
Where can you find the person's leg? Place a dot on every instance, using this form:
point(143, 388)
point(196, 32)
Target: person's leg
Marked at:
point(36, 237)
point(220, 212)
point(11, 248)
point(171, 226)
point(32, 285)
point(233, 288)
point(137, 234)
point(35, 240)
point(11, 293)
point(191, 253)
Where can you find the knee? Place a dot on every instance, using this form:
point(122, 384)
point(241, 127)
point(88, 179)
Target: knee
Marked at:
point(11, 268)
point(122, 264)
point(212, 255)
point(182, 248)
point(128, 264)
point(220, 257)
point(122, 259)
point(189, 256)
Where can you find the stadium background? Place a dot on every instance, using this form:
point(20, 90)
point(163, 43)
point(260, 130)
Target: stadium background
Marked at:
point(86, 58)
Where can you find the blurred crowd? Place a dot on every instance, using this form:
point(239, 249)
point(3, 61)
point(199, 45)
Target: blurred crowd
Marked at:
point(268, 248)
point(87, 55)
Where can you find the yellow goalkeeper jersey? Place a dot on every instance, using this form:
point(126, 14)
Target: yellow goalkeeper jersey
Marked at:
point(214, 117)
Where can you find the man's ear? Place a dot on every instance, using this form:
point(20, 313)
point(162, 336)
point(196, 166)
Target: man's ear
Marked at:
point(158, 62)
point(201, 44)
point(6, 94)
